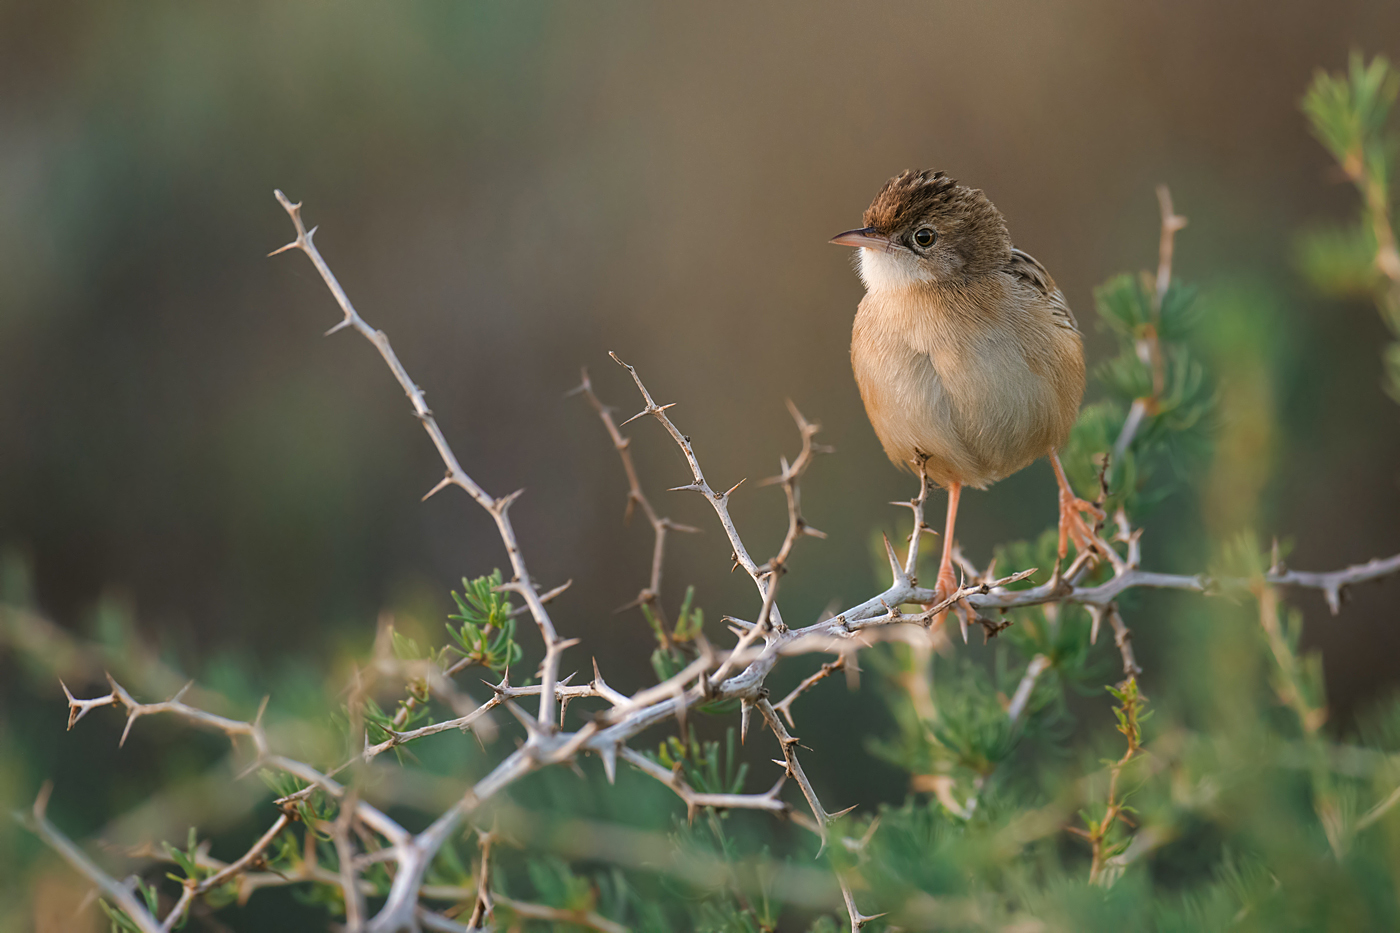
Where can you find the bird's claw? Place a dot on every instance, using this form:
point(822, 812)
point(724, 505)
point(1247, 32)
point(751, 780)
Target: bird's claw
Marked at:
point(1073, 527)
point(946, 586)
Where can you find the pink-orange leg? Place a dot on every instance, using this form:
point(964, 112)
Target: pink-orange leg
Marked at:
point(947, 583)
point(1072, 510)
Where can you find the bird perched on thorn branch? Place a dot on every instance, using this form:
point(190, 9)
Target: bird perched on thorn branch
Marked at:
point(967, 356)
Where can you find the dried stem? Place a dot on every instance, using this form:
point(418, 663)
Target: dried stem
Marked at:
point(1334, 584)
point(498, 508)
point(1124, 640)
point(232, 728)
point(1017, 707)
point(789, 743)
point(636, 498)
point(694, 800)
point(784, 706)
point(349, 878)
point(789, 478)
point(39, 824)
point(224, 873)
point(1172, 222)
point(485, 903)
point(584, 918)
point(719, 501)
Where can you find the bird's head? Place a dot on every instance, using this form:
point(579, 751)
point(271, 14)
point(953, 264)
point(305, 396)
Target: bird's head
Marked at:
point(924, 227)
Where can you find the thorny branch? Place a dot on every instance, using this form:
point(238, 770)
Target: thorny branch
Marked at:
point(38, 823)
point(694, 800)
point(739, 673)
point(353, 897)
point(789, 477)
point(497, 508)
point(236, 869)
point(1334, 585)
point(784, 705)
point(584, 918)
point(660, 525)
point(719, 501)
point(789, 743)
point(1017, 707)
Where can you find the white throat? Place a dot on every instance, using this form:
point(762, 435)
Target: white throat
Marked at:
point(894, 269)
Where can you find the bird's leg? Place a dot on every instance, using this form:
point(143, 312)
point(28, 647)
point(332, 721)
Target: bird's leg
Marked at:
point(947, 583)
point(1072, 523)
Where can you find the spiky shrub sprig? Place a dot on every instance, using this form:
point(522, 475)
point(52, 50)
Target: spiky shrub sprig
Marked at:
point(1102, 823)
point(486, 635)
point(1157, 399)
point(1349, 113)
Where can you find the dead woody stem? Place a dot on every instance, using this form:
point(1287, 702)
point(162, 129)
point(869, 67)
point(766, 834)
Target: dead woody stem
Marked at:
point(636, 498)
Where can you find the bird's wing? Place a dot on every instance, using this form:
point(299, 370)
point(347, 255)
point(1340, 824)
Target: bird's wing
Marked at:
point(1028, 269)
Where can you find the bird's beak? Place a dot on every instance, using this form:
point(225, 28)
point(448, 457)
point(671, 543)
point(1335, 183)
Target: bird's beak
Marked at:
point(867, 237)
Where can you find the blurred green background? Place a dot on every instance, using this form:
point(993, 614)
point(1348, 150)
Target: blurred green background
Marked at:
point(511, 190)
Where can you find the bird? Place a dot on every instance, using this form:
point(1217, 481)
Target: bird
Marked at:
point(967, 356)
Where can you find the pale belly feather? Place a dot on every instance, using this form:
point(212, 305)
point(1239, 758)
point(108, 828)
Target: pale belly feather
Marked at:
point(965, 397)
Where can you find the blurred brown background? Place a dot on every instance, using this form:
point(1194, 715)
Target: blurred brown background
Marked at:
point(511, 190)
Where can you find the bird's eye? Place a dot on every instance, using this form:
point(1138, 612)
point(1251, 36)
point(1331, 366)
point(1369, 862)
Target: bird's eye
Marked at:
point(924, 237)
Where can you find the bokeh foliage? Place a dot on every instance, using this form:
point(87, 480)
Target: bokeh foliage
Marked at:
point(1350, 115)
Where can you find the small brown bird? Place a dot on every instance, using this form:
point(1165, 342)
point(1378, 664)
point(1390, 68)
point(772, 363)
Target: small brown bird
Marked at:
point(968, 359)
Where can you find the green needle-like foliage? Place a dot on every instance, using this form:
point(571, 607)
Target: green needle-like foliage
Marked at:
point(486, 635)
point(1350, 115)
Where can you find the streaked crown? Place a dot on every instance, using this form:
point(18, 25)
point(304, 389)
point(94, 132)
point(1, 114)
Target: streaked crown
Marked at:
point(965, 220)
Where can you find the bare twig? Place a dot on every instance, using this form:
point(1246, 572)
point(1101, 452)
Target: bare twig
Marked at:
point(719, 501)
point(349, 878)
point(789, 743)
point(1166, 246)
point(858, 919)
point(119, 894)
point(1124, 640)
point(916, 505)
point(1334, 584)
point(784, 705)
point(497, 508)
point(585, 918)
point(797, 525)
point(223, 874)
point(118, 696)
point(660, 524)
point(243, 862)
point(789, 478)
point(694, 800)
point(232, 728)
point(1017, 707)
point(485, 903)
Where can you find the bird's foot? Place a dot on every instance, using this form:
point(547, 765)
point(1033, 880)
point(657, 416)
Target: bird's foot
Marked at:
point(946, 586)
point(1074, 527)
